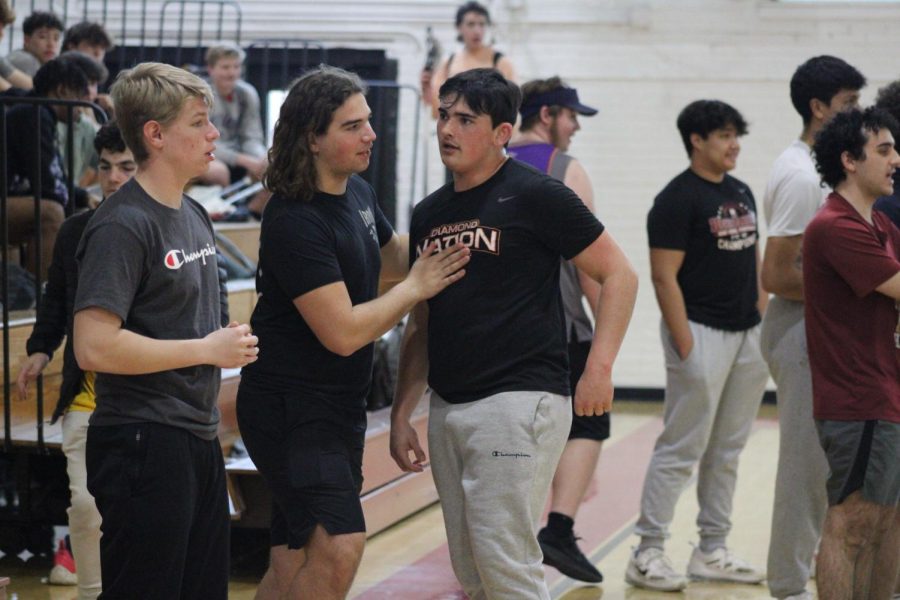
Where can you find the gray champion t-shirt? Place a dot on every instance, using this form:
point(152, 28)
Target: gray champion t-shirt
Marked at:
point(155, 268)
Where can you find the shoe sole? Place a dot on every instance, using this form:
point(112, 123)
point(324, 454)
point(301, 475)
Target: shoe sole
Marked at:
point(718, 579)
point(61, 576)
point(650, 586)
point(557, 560)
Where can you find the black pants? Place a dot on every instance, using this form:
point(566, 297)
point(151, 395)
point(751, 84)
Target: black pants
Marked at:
point(161, 493)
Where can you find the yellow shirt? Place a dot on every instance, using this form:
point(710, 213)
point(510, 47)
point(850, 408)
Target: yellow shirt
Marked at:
point(86, 400)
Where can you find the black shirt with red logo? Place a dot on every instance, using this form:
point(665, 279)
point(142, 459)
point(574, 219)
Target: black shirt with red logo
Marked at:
point(155, 268)
point(715, 225)
point(501, 327)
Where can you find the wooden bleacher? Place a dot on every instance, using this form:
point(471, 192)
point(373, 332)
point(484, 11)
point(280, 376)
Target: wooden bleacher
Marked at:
point(388, 494)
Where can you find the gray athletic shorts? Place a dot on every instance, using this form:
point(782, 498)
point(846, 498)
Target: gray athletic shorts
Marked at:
point(862, 455)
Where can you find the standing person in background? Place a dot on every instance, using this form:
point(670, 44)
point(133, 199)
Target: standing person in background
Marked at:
point(77, 399)
point(301, 408)
point(473, 26)
point(851, 287)
point(43, 31)
point(703, 259)
point(889, 99)
point(549, 120)
point(820, 88)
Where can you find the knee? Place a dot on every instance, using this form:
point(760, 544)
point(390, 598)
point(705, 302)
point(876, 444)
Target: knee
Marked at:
point(83, 511)
point(52, 215)
point(342, 561)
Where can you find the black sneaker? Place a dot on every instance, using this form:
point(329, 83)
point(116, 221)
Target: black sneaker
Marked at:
point(564, 555)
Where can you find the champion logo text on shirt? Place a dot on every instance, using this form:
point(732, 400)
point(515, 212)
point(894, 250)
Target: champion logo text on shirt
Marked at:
point(471, 234)
point(175, 259)
point(734, 226)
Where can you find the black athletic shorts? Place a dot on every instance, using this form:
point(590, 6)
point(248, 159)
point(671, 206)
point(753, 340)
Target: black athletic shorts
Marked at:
point(862, 455)
point(589, 428)
point(309, 451)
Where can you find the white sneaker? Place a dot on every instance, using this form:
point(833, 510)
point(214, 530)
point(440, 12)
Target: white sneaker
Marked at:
point(651, 569)
point(722, 565)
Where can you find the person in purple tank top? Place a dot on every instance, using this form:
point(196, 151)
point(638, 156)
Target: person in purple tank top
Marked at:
point(549, 121)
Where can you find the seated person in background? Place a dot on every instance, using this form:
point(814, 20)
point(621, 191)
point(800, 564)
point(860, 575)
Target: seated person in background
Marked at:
point(10, 77)
point(76, 394)
point(241, 149)
point(88, 38)
point(84, 127)
point(59, 78)
point(43, 31)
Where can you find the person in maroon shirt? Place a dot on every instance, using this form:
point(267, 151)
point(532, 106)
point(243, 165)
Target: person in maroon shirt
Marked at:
point(851, 276)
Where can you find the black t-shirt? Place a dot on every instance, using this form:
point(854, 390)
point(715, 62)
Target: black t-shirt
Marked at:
point(501, 327)
point(715, 225)
point(24, 143)
point(304, 246)
point(155, 268)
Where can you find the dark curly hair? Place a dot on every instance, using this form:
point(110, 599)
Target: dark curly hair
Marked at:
point(848, 132)
point(888, 98)
point(822, 77)
point(307, 111)
point(109, 137)
point(705, 116)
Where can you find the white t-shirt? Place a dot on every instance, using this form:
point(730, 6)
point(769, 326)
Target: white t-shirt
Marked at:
point(793, 192)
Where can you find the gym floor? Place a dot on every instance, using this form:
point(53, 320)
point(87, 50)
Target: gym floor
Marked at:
point(410, 560)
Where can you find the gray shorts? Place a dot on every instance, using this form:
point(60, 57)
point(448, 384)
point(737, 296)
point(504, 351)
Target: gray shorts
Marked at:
point(862, 455)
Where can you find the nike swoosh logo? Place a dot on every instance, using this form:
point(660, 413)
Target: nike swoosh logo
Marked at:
point(505, 198)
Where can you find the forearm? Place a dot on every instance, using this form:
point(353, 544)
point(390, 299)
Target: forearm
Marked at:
point(613, 314)
point(124, 352)
point(672, 306)
point(412, 376)
point(370, 320)
point(786, 283)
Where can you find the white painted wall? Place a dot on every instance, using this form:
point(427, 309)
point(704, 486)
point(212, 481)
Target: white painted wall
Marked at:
point(640, 62)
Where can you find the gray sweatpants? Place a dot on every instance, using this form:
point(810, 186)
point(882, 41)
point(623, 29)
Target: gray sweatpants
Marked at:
point(800, 498)
point(712, 398)
point(493, 461)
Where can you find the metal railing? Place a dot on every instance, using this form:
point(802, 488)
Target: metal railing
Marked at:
point(37, 194)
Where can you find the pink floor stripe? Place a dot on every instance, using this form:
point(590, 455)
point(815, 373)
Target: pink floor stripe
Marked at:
point(620, 477)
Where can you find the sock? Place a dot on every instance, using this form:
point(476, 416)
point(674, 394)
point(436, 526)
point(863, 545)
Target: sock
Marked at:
point(559, 524)
point(710, 544)
point(647, 542)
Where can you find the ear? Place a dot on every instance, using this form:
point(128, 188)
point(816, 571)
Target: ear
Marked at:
point(502, 134)
point(848, 162)
point(153, 135)
point(697, 141)
point(818, 109)
point(313, 144)
point(545, 116)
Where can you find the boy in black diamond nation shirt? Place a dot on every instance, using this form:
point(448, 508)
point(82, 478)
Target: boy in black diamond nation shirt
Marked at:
point(493, 347)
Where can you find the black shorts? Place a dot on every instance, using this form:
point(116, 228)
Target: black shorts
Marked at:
point(588, 428)
point(862, 455)
point(310, 453)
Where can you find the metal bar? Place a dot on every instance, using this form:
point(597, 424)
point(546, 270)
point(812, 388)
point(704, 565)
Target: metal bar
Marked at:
point(180, 38)
point(37, 190)
point(221, 18)
point(122, 39)
point(4, 287)
point(199, 49)
point(70, 160)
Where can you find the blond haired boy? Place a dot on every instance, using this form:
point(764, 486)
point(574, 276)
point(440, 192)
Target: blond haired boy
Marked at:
point(148, 321)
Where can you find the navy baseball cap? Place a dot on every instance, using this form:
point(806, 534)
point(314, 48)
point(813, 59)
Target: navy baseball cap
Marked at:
point(563, 96)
